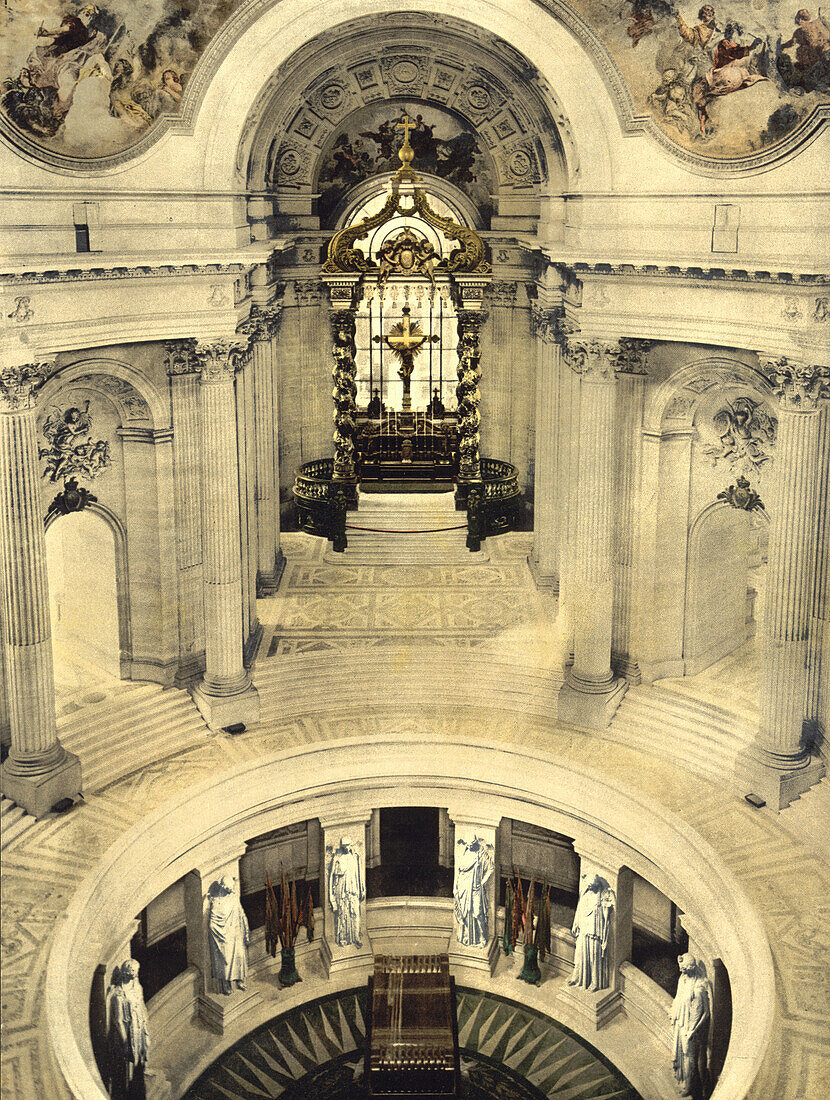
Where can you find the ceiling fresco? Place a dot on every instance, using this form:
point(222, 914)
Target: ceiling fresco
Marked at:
point(724, 80)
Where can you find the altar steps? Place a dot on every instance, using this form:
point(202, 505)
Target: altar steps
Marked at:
point(407, 529)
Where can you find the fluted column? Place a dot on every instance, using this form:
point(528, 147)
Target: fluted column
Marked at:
point(591, 692)
point(818, 686)
point(631, 378)
point(183, 368)
point(787, 767)
point(38, 771)
point(501, 296)
point(225, 696)
point(544, 557)
point(262, 327)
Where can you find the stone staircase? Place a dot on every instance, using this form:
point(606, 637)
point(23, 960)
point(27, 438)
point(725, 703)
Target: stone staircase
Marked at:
point(14, 822)
point(390, 513)
point(705, 737)
point(135, 726)
point(808, 818)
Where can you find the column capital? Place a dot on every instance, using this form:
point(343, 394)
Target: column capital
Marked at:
point(180, 357)
point(595, 360)
point(632, 356)
point(308, 292)
point(471, 319)
point(545, 322)
point(19, 385)
point(262, 323)
point(799, 385)
point(219, 360)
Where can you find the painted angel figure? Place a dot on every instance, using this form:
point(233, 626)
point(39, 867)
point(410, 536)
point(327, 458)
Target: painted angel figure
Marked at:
point(474, 867)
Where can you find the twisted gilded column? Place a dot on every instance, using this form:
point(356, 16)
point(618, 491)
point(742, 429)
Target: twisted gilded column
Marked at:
point(262, 327)
point(468, 395)
point(225, 695)
point(183, 369)
point(591, 693)
point(344, 393)
point(787, 769)
point(38, 771)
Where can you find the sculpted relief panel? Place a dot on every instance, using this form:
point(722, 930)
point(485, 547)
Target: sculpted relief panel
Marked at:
point(87, 80)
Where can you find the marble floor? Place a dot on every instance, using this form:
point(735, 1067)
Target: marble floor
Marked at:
point(350, 650)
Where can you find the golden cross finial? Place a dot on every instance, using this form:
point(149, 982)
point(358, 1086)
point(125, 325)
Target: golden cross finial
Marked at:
point(406, 153)
point(406, 125)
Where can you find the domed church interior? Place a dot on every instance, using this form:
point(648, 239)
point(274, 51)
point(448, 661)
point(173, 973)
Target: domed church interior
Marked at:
point(415, 542)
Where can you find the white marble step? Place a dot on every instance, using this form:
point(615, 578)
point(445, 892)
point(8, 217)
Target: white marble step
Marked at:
point(14, 821)
point(808, 818)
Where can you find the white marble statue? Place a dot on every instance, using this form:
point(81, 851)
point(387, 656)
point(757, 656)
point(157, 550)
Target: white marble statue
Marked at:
point(128, 1038)
point(229, 936)
point(691, 1013)
point(474, 867)
point(592, 929)
point(345, 892)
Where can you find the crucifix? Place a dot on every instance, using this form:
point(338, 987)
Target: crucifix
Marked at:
point(406, 339)
point(406, 153)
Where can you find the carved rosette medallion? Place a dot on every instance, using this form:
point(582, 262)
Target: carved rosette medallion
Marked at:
point(19, 385)
point(468, 395)
point(220, 360)
point(800, 386)
point(344, 393)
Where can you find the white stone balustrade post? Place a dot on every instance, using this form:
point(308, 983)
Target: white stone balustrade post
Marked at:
point(544, 557)
point(345, 941)
point(225, 696)
point(216, 1010)
point(784, 766)
point(474, 941)
point(595, 1008)
point(38, 771)
point(591, 692)
point(262, 327)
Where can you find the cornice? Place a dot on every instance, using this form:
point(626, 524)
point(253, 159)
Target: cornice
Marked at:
point(693, 272)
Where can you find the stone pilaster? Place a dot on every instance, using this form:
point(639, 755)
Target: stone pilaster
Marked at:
point(216, 1010)
point(474, 940)
point(591, 692)
point(544, 557)
point(467, 394)
point(595, 1008)
point(225, 695)
point(308, 294)
point(263, 325)
point(631, 379)
point(183, 369)
point(786, 766)
point(501, 297)
point(345, 941)
point(38, 771)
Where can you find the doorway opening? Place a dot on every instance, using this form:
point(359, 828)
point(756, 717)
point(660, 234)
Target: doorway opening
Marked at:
point(409, 855)
point(83, 603)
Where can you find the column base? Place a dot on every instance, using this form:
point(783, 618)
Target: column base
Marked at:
point(37, 794)
point(268, 583)
point(626, 668)
point(251, 647)
point(476, 958)
point(593, 1010)
point(190, 669)
point(218, 1012)
point(589, 705)
point(781, 786)
point(336, 959)
point(543, 576)
point(220, 711)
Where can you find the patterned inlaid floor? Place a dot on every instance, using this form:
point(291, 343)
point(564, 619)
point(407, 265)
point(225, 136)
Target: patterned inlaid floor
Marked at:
point(508, 1052)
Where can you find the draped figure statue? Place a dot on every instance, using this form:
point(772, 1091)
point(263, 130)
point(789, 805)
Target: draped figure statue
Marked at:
point(229, 936)
point(128, 1041)
point(592, 928)
point(345, 892)
point(474, 867)
point(691, 1013)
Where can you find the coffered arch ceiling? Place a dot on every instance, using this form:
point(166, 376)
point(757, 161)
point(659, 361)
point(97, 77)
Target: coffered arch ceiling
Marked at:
point(489, 124)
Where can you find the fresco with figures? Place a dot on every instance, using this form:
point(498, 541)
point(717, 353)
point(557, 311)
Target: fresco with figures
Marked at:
point(368, 144)
point(725, 79)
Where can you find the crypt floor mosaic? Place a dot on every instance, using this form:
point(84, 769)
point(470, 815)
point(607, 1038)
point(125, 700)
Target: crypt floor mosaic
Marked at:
point(508, 1052)
point(774, 858)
